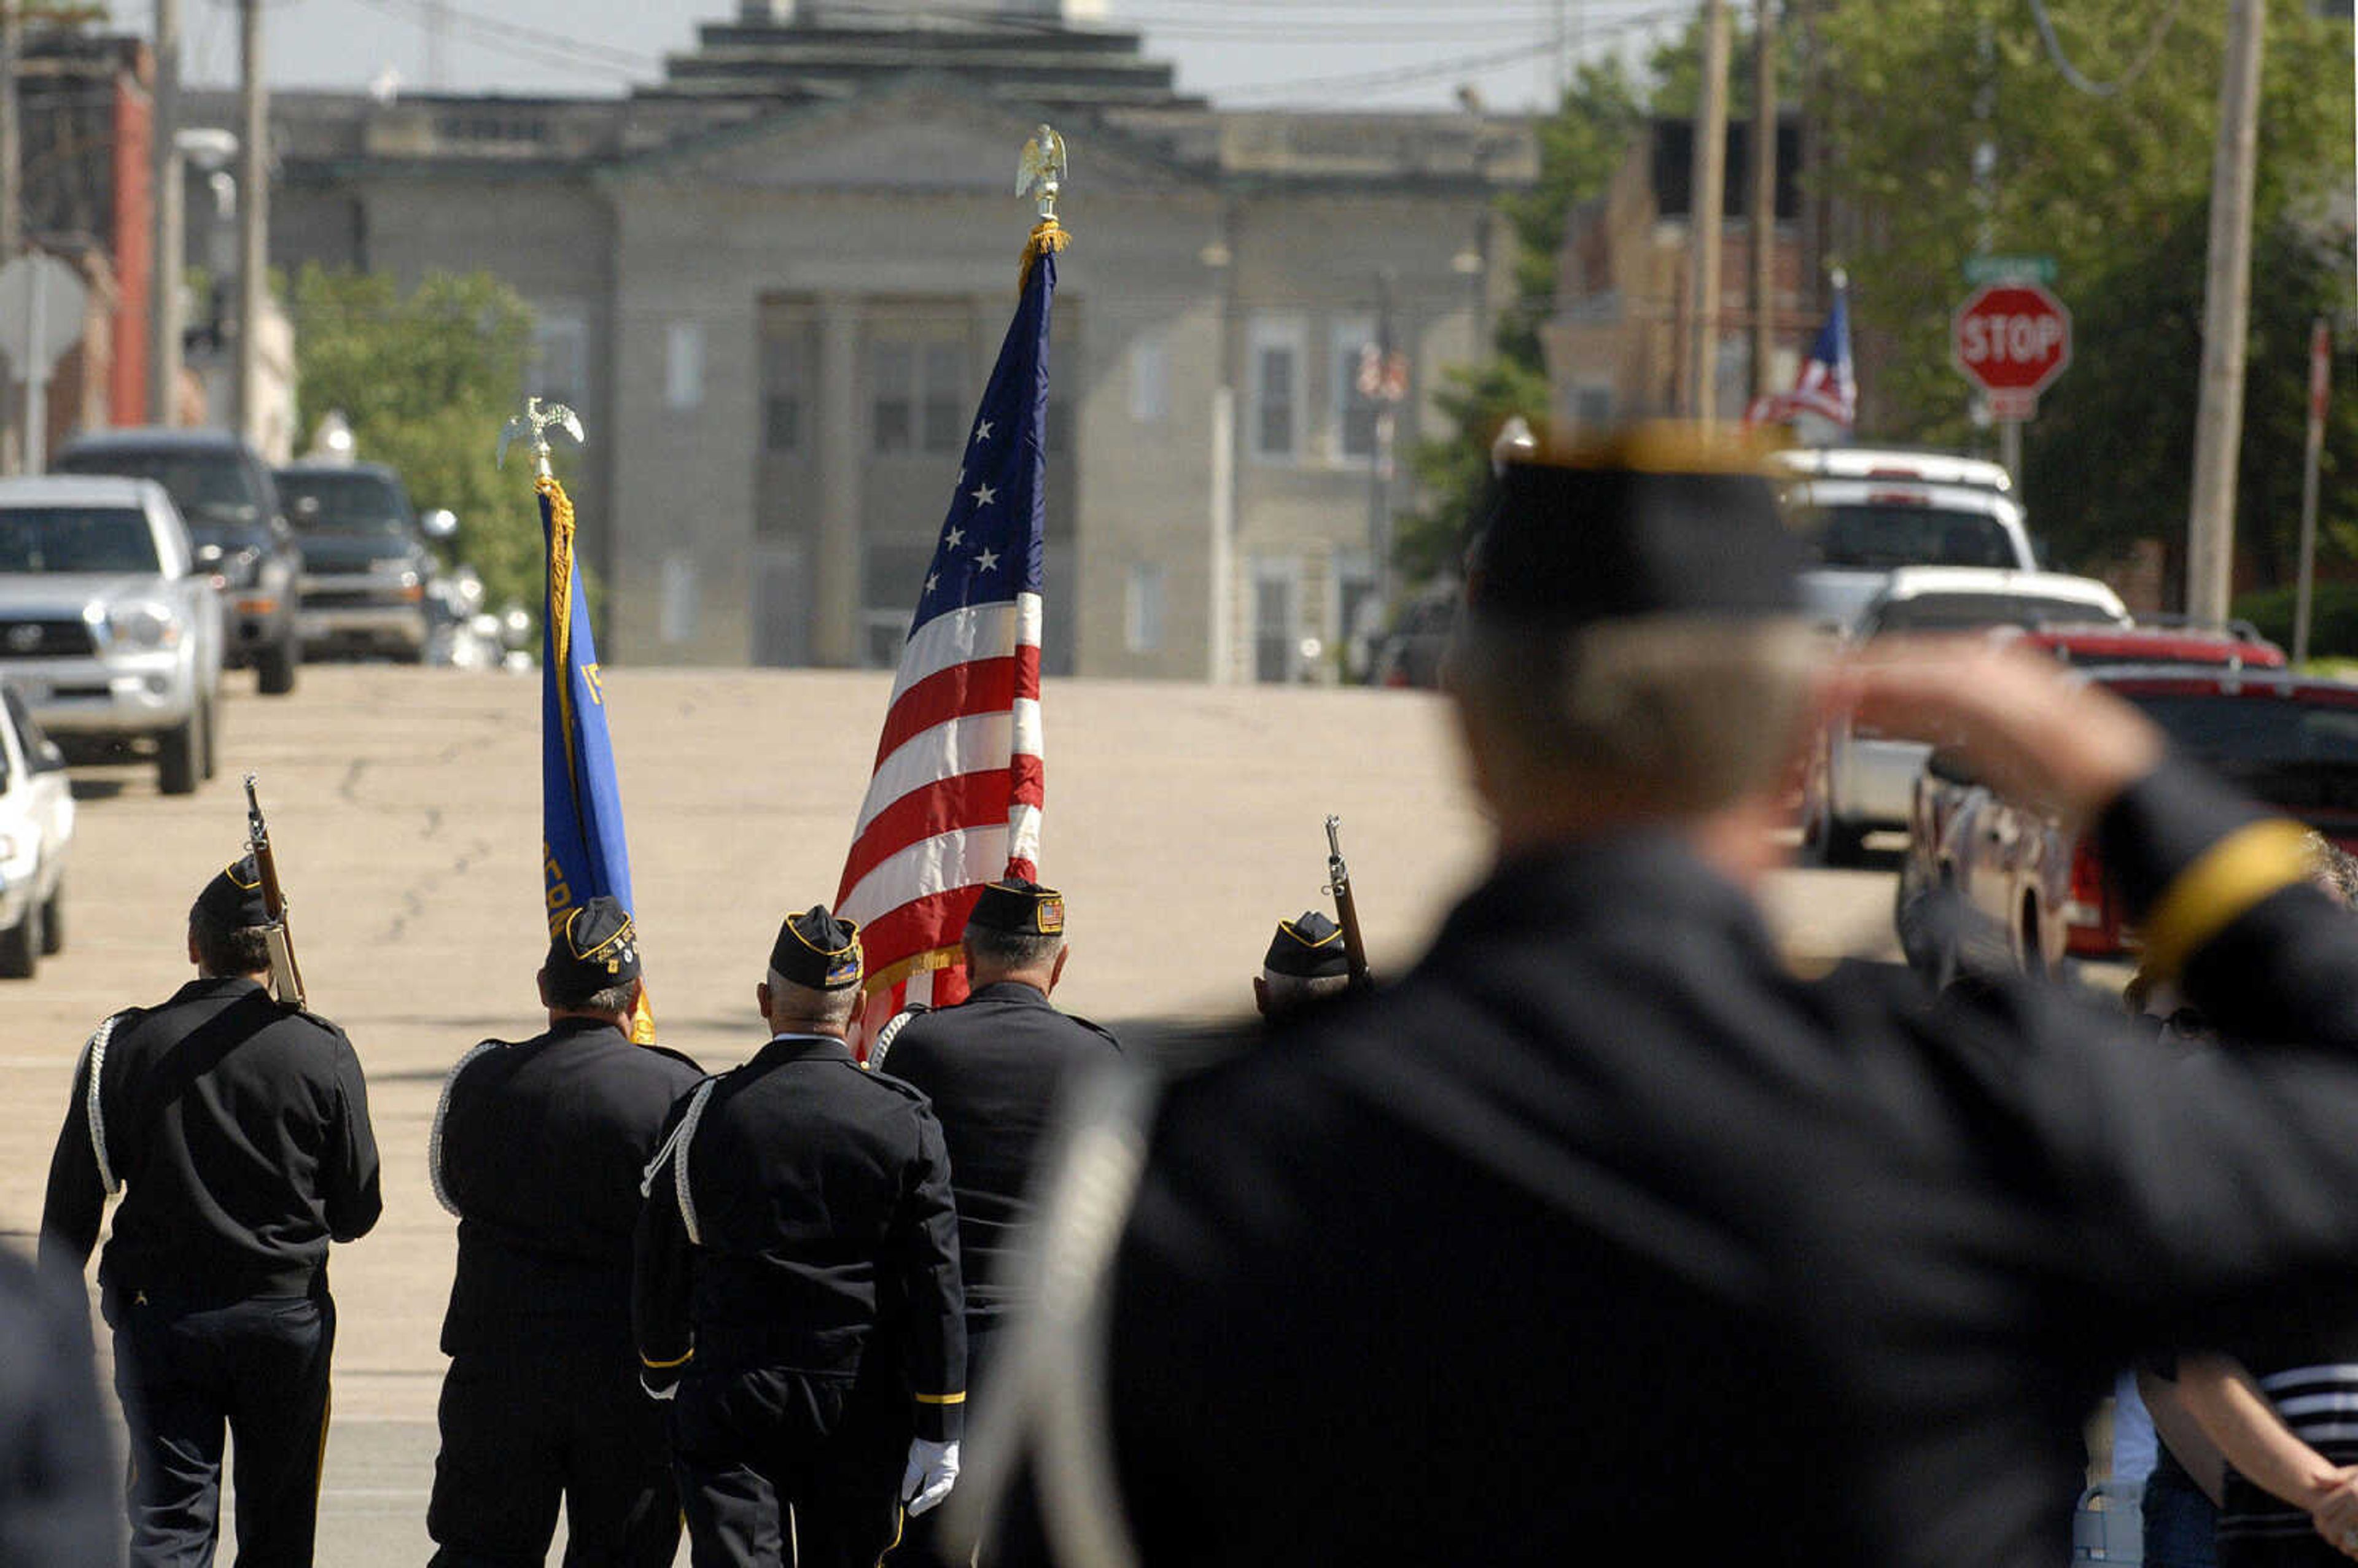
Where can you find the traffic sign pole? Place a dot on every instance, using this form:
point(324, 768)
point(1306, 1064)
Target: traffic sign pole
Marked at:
point(2321, 387)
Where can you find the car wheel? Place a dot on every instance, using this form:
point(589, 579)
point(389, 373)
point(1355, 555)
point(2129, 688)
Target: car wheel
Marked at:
point(275, 666)
point(179, 757)
point(21, 948)
point(53, 919)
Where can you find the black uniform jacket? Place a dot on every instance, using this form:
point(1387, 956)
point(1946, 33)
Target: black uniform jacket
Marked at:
point(240, 1130)
point(822, 1195)
point(991, 1066)
point(1602, 1237)
point(541, 1150)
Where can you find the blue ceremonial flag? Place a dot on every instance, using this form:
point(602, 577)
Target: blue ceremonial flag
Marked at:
point(583, 852)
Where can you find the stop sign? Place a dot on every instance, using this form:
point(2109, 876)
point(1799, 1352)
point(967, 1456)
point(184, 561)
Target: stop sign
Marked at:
point(2012, 337)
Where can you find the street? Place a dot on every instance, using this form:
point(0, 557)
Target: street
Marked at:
point(1182, 822)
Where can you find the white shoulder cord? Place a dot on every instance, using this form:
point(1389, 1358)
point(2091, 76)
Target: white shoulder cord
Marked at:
point(675, 1149)
point(93, 1054)
point(441, 1113)
point(890, 1033)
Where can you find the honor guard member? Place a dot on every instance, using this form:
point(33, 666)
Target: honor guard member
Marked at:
point(797, 1223)
point(992, 1067)
point(58, 1505)
point(538, 1148)
point(237, 1130)
point(1602, 1235)
point(1306, 962)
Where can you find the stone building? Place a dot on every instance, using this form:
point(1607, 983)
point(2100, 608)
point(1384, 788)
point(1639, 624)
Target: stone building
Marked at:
point(773, 282)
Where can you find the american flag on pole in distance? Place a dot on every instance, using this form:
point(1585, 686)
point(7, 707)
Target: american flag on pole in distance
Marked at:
point(1828, 385)
point(955, 797)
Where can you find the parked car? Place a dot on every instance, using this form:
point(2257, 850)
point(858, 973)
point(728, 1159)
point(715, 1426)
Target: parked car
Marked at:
point(365, 560)
point(1408, 653)
point(224, 492)
point(108, 627)
point(2037, 893)
point(1862, 530)
point(1859, 780)
point(2154, 640)
point(36, 826)
point(1892, 462)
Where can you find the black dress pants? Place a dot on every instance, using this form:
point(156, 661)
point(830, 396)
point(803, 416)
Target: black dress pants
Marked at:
point(544, 1419)
point(257, 1368)
point(779, 1467)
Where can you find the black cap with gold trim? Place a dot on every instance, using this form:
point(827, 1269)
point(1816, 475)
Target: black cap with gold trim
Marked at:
point(1308, 947)
point(232, 899)
point(1019, 908)
point(1654, 521)
point(817, 950)
point(595, 949)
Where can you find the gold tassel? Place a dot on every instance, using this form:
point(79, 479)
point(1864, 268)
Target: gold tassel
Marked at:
point(1049, 239)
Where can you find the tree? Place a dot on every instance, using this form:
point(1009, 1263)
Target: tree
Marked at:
point(1581, 147)
point(427, 379)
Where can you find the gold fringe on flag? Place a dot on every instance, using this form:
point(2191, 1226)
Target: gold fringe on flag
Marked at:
point(1048, 239)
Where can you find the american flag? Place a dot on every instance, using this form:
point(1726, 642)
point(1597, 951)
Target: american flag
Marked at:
point(1828, 385)
point(955, 800)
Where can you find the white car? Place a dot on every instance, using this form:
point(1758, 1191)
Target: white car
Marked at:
point(1892, 462)
point(1860, 781)
point(1862, 530)
point(37, 825)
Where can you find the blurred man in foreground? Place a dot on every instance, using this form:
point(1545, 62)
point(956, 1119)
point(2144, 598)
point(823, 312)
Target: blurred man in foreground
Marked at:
point(238, 1132)
point(1600, 1236)
point(538, 1148)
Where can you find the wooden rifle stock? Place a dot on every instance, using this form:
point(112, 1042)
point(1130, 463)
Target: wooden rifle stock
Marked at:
point(286, 978)
point(1347, 907)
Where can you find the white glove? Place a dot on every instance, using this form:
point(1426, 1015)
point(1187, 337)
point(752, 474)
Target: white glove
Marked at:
point(932, 1471)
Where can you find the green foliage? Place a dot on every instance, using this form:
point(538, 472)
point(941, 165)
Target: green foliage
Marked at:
point(2108, 460)
point(1581, 147)
point(427, 379)
point(1911, 88)
point(2333, 618)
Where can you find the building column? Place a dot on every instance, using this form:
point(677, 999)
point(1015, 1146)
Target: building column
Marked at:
point(835, 554)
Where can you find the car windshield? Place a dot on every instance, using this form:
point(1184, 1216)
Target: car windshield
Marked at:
point(205, 486)
point(344, 504)
point(1878, 537)
point(2264, 730)
point(76, 539)
point(1971, 611)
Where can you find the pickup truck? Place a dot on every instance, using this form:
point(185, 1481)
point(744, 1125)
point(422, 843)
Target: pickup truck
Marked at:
point(108, 625)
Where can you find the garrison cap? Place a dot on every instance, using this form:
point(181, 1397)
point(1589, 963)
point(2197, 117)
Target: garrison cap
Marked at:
point(1308, 947)
point(817, 950)
point(1653, 521)
point(232, 899)
point(595, 949)
point(1019, 908)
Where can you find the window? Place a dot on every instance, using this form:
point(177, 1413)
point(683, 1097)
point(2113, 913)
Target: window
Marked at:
point(1358, 614)
point(1277, 627)
point(1275, 361)
point(920, 396)
point(560, 356)
point(785, 384)
point(1150, 378)
point(684, 366)
point(680, 599)
point(893, 367)
point(1351, 412)
point(1142, 609)
point(1592, 406)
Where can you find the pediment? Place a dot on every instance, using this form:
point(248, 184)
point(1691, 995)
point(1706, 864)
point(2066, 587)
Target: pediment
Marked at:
point(918, 137)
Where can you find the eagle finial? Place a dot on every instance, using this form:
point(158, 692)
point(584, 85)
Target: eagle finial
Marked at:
point(1043, 170)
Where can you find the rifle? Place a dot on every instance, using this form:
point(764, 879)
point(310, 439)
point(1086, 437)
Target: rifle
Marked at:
point(285, 980)
point(1347, 908)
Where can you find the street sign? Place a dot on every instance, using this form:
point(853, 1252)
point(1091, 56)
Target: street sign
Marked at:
point(42, 301)
point(2009, 407)
point(2009, 269)
point(2012, 337)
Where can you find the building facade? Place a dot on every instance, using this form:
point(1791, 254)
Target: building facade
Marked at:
point(774, 281)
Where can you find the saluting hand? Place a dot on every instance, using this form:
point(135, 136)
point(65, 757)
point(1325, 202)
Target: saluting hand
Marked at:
point(2333, 1509)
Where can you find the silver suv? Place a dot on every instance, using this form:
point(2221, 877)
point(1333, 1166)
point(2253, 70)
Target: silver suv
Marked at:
point(106, 626)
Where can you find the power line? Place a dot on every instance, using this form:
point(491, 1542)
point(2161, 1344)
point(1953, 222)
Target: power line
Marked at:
point(2127, 79)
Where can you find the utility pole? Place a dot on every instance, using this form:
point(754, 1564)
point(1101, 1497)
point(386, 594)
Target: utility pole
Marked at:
point(2226, 321)
point(1708, 200)
point(254, 221)
point(12, 143)
point(1380, 448)
point(1764, 197)
point(165, 170)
